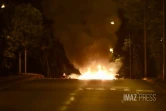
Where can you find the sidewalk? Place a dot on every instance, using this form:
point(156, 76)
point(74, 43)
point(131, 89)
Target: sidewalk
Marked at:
point(159, 83)
point(162, 84)
point(16, 79)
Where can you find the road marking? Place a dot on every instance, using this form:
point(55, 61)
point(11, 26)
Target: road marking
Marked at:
point(72, 94)
point(113, 89)
point(150, 91)
point(63, 108)
point(121, 87)
point(81, 89)
point(89, 88)
point(99, 89)
point(126, 89)
point(67, 102)
point(72, 98)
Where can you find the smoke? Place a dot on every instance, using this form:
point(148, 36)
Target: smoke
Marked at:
point(83, 27)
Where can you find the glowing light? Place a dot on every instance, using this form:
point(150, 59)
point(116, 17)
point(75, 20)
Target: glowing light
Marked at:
point(3, 6)
point(111, 50)
point(112, 22)
point(64, 74)
point(101, 73)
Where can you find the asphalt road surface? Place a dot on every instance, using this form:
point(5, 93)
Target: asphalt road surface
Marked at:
point(76, 95)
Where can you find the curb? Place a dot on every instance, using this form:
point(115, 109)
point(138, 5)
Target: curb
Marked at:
point(21, 80)
point(158, 85)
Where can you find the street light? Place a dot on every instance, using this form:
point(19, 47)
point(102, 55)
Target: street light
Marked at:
point(111, 50)
point(112, 22)
point(3, 6)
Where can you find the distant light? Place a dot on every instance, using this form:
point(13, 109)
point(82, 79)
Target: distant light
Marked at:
point(3, 6)
point(161, 39)
point(64, 74)
point(112, 22)
point(8, 37)
point(111, 50)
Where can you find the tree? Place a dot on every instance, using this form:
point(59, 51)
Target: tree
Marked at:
point(133, 50)
point(53, 57)
point(154, 33)
point(23, 31)
point(134, 14)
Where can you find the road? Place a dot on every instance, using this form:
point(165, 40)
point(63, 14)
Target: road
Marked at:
point(76, 95)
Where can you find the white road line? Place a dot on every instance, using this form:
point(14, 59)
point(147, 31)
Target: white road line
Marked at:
point(80, 88)
point(99, 89)
point(63, 108)
point(89, 88)
point(72, 98)
point(113, 89)
point(121, 87)
point(67, 102)
point(72, 94)
point(150, 91)
point(126, 89)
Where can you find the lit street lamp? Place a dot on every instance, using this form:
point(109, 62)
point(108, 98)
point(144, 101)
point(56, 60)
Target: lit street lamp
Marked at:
point(3, 6)
point(111, 50)
point(111, 55)
point(112, 22)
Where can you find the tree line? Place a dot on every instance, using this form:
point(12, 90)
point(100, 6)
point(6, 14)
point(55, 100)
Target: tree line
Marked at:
point(23, 27)
point(136, 14)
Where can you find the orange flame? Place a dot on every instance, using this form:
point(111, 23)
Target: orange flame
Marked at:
point(101, 73)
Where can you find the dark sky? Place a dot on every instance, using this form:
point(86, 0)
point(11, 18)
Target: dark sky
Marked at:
point(84, 28)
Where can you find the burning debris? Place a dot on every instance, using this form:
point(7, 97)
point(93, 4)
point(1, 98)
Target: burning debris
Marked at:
point(104, 72)
point(100, 73)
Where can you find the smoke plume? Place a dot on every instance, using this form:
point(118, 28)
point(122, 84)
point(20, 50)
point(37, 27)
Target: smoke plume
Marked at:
point(84, 28)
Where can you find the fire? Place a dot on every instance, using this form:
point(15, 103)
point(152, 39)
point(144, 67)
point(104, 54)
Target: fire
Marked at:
point(101, 73)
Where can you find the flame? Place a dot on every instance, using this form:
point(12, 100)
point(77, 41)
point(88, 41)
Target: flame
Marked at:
point(101, 73)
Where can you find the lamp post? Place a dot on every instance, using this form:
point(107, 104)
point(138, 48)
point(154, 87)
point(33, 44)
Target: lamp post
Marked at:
point(112, 51)
point(130, 53)
point(25, 61)
point(145, 53)
point(163, 42)
point(20, 63)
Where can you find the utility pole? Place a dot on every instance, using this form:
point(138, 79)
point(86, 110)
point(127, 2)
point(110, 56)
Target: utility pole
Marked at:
point(25, 61)
point(20, 63)
point(163, 41)
point(130, 54)
point(145, 55)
